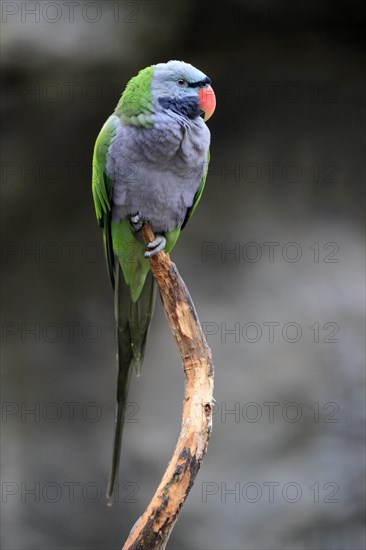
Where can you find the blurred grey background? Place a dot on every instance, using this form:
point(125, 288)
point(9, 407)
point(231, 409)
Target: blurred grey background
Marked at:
point(273, 258)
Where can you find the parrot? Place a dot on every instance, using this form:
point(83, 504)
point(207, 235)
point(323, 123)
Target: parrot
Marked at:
point(150, 164)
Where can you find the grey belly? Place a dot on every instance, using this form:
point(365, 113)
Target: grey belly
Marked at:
point(162, 197)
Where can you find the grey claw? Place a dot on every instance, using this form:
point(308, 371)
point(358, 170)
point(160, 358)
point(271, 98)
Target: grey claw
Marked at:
point(136, 222)
point(157, 246)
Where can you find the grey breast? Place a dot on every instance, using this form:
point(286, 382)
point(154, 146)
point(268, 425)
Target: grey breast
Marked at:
point(157, 171)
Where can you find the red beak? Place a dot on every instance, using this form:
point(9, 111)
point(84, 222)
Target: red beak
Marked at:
point(207, 101)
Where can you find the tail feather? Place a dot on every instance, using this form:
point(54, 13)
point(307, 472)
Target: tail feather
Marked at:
point(141, 313)
point(133, 320)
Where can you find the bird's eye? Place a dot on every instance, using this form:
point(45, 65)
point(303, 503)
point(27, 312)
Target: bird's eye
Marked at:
point(182, 82)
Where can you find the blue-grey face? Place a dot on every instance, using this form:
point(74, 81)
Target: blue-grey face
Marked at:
point(175, 86)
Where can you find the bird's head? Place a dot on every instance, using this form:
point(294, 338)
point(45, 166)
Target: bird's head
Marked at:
point(182, 88)
point(174, 86)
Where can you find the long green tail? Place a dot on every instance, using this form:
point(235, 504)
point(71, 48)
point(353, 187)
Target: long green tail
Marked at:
point(133, 320)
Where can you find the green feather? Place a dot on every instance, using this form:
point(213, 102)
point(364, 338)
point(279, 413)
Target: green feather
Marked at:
point(102, 188)
point(101, 184)
point(130, 253)
point(171, 239)
point(133, 286)
point(133, 320)
point(198, 194)
point(135, 106)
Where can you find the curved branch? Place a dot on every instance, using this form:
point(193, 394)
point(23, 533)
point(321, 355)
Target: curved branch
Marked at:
point(154, 527)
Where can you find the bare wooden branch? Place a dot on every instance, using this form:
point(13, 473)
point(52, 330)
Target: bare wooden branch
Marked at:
point(154, 527)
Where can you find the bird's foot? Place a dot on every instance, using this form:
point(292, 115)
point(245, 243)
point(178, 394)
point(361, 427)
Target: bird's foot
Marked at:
point(156, 246)
point(136, 221)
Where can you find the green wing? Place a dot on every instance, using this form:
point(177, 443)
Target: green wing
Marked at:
point(101, 184)
point(198, 194)
point(134, 287)
point(102, 189)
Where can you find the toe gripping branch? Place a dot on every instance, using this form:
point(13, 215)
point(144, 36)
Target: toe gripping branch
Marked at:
point(155, 246)
point(156, 243)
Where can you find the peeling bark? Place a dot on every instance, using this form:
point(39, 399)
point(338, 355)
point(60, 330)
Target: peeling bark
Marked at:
point(154, 527)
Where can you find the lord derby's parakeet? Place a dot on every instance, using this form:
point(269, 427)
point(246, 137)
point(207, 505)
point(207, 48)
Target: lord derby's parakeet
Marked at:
point(150, 164)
